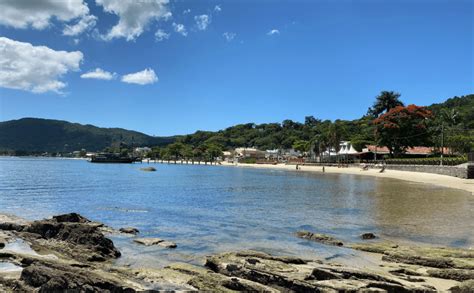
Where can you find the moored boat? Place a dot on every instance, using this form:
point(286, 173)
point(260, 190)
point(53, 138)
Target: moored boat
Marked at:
point(111, 158)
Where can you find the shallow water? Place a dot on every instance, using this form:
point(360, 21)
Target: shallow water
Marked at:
point(207, 209)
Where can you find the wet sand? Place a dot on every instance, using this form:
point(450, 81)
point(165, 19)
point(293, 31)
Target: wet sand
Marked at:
point(427, 178)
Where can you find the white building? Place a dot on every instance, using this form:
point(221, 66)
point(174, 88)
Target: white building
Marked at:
point(249, 153)
point(142, 150)
point(346, 148)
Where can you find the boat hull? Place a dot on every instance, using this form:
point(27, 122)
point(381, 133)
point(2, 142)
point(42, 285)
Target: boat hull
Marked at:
point(113, 161)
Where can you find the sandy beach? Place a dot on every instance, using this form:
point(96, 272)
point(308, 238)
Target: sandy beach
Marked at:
point(428, 178)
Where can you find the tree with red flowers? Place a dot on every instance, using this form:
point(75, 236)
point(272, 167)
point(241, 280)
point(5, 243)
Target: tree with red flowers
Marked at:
point(402, 127)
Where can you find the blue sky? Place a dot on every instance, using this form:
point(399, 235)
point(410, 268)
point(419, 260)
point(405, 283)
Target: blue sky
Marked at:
point(324, 58)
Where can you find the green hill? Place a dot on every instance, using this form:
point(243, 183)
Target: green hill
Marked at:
point(45, 135)
point(359, 131)
point(40, 135)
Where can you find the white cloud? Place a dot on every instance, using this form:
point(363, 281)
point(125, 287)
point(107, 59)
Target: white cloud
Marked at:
point(99, 74)
point(217, 8)
point(229, 36)
point(84, 24)
point(180, 29)
point(143, 77)
point(273, 32)
point(202, 21)
point(161, 35)
point(134, 16)
point(187, 11)
point(34, 68)
point(38, 14)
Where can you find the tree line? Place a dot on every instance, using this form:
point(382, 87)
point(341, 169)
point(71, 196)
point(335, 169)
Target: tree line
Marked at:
point(389, 122)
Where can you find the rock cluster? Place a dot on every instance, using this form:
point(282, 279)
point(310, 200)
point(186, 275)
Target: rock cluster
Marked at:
point(79, 244)
point(322, 238)
point(73, 235)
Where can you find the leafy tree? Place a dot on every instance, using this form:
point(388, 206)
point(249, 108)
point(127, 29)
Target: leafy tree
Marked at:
point(311, 121)
point(461, 143)
point(213, 151)
point(175, 150)
point(301, 145)
point(402, 127)
point(187, 152)
point(335, 133)
point(384, 102)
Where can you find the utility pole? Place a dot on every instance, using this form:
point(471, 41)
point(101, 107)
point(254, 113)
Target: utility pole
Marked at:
point(442, 143)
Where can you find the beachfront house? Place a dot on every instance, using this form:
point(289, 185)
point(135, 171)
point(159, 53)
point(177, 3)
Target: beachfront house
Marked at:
point(227, 156)
point(272, 154)
point(372, 151)
point(249, 153)
point(142, 150)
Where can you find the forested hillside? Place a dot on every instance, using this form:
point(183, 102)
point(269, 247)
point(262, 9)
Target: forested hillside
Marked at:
point(45, 135)
point(454, 118)
point(456, 115)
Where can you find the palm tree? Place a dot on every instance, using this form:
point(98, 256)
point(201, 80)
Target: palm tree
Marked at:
point(384, 102)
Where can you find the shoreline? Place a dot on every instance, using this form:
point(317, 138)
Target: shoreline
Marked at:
point(426, 178)
point(69, 251)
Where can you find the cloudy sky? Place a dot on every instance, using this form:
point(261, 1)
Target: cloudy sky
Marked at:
point(173, 67)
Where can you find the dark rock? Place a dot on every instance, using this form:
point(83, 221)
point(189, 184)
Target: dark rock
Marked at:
point(321, 238)
point(261, 255)
point(452, 274)
point(70, 218)
point(403, 271)
point(368, 236)
point(323, 274)
point(60, 278)
point(148, 169)
point(11, 226)
point(411, 258)
point(309, 277)
point(129, 230)
point(83, 239)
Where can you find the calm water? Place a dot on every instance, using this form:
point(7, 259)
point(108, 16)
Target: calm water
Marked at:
point(207, 209)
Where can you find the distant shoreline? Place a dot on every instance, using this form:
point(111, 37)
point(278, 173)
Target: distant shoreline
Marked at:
point(427, 178)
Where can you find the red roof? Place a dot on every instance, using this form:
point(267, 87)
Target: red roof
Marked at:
point(418, 150)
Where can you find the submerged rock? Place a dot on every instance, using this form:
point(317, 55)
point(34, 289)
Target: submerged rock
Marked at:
point(148, 241)
point(167, 244)
point(155, 241)
point(368, 236)
point(129, 230)
point(321, 238)
point(148, 169)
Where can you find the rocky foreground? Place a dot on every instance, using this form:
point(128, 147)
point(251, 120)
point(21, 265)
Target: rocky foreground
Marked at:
point(72, 253)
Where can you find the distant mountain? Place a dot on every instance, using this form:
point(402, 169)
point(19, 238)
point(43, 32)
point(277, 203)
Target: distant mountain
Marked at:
point(46, 135)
